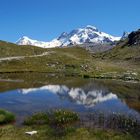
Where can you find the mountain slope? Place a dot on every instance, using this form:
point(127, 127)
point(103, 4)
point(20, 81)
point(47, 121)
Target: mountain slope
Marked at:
point(128, 49)
point(121, 62)
point(88, 34)
point(9, 50)
point(134, 38)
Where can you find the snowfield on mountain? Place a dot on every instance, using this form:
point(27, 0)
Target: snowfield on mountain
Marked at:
point(88, 34)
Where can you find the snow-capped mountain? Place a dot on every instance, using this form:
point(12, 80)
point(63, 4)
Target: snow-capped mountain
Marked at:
point(27, 41)
point(89, 34)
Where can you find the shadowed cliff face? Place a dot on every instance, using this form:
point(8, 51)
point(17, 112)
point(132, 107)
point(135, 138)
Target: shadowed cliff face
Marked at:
point(134, 38)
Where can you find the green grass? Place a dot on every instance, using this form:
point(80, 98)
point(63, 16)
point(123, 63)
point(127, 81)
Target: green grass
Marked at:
point(6, 117)
point(56, 118)
point(9, 49)
point(10, 132)
point(60, 125)
point(37, 119)
point(125, 53)
point(72, 61)
point(64, 117)
point(63, 122)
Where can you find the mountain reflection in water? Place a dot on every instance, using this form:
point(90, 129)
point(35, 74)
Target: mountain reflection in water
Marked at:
point(78, 95)
point(82, 96)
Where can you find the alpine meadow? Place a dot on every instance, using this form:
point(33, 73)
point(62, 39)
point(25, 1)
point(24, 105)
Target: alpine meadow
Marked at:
point(82, 82)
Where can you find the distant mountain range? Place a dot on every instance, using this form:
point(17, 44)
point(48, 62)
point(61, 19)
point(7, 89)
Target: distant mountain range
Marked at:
point(120, 62)
point(86, 35)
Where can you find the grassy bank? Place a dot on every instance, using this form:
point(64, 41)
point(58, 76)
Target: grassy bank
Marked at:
point(9, 50)
point(10, 132)
point(64, 125)
point(73, 61)
point(6, 117)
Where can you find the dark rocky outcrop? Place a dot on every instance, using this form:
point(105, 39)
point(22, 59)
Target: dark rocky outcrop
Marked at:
point(134, 38)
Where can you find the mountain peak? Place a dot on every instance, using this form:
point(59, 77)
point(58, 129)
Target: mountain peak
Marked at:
point(125, 35)
point(25, 37)
point(91, 27)
point(24, 40)
point(89, 34)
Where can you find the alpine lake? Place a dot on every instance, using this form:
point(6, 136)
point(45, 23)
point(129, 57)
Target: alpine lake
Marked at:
point(27, 93)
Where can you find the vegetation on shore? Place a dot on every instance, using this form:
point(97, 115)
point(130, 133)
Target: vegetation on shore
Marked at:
point(65, 125)
point(6, 117)
point(11, 132)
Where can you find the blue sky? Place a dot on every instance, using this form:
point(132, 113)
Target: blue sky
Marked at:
point(46, 19)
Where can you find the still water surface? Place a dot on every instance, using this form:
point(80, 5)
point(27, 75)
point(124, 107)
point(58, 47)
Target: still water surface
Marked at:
point(84, 97)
